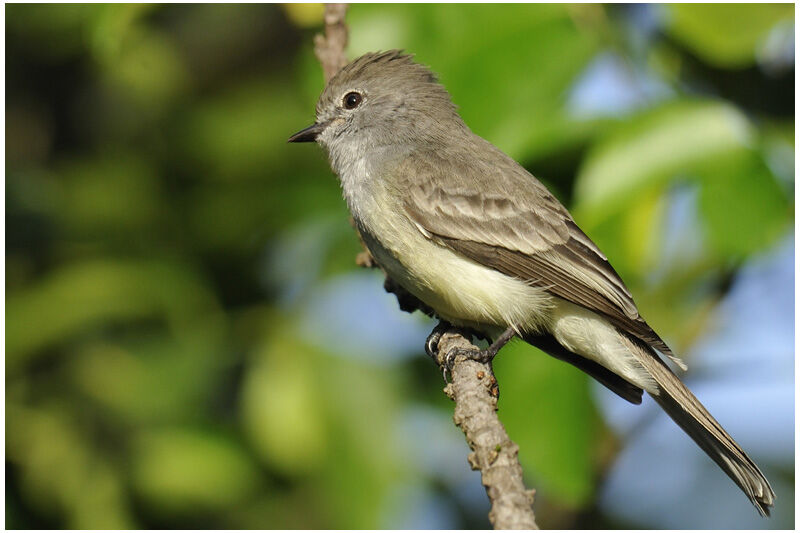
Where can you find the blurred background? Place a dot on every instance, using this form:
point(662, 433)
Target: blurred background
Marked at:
point(189, 343)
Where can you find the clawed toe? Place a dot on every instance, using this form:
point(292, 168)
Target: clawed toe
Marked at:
point(432, 343)
point(482, 356)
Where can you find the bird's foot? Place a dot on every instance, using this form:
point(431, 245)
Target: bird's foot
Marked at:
point(432, 342)
point(482, 356)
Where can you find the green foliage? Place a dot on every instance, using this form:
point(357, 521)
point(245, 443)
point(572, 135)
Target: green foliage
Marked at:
point(95, 292)
point(727, 36)
point(282, 406)
point(177, 471)
point(549, 49)
point(652, 148)
point(548, 412)
point(743, 205)
point(164, 243)
point(703, 143)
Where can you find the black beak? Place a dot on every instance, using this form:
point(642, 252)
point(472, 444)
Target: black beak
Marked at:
point(308, 134)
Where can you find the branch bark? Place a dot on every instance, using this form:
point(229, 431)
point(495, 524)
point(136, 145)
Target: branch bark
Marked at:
point(473, 387)
point(329, 48)
point(475, 391)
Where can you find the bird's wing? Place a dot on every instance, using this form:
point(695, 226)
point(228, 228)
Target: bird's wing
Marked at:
point(515, 226)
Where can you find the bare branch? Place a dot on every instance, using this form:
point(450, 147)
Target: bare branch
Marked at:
point(330, 52)
point(329, 48)
point(475, 391)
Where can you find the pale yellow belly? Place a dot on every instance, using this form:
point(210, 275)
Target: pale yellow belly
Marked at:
point(458, 289)
point(468, 294)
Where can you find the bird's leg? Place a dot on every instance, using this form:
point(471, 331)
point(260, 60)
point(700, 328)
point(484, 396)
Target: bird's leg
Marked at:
point(482, 356)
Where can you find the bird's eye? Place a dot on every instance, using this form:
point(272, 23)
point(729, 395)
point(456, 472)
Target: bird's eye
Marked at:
point(352, 100)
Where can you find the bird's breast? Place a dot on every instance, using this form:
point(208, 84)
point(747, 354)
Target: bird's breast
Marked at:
point(460, 290)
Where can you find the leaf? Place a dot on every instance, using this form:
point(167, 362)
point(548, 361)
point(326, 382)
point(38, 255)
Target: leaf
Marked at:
point(132, 378)
point(326, 422)
point(239, 132)
point(744, 208)
point(182, 471)
point(282, 408)
point(725, 35)
point(61, 472)
point(85, 295)
point(651, 149)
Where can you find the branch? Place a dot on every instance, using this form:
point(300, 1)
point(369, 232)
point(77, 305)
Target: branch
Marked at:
point(475, 391)
point(329, 48)
point(473, 387)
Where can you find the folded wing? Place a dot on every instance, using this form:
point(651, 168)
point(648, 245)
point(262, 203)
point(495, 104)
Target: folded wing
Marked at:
point(518, 228)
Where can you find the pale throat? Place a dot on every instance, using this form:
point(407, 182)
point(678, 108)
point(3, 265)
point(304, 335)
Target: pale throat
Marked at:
point(358, 166)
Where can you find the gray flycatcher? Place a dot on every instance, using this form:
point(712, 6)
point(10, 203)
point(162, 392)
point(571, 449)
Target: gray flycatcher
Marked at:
point(469, 232)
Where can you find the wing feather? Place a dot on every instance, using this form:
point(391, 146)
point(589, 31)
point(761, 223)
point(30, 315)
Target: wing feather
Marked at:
point(516, 227)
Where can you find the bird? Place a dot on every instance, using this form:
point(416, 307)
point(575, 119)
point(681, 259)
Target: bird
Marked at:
point(478, 239)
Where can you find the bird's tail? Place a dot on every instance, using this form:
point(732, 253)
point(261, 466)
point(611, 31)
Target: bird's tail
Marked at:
point(681, 405)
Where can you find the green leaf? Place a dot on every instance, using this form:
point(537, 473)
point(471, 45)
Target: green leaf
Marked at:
point(132, 379)
point(282, 407)
point(326, 422)
point(88, 294)
point(651, 149)
point(368, 464)
point(744, 208)
point(179, 471)
point(725, 35)
point(742, 204)
point(61, 472)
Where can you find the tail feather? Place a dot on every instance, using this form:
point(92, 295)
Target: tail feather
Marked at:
point(682, 406)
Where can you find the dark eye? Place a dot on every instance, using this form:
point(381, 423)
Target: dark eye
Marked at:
point(352, 100)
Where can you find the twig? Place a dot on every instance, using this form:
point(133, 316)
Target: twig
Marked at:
point(329, 48)
point(475, 391)
point(473, 387)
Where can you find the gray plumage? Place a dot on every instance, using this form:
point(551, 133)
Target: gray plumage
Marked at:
point(473, 235)
point(520, 230)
